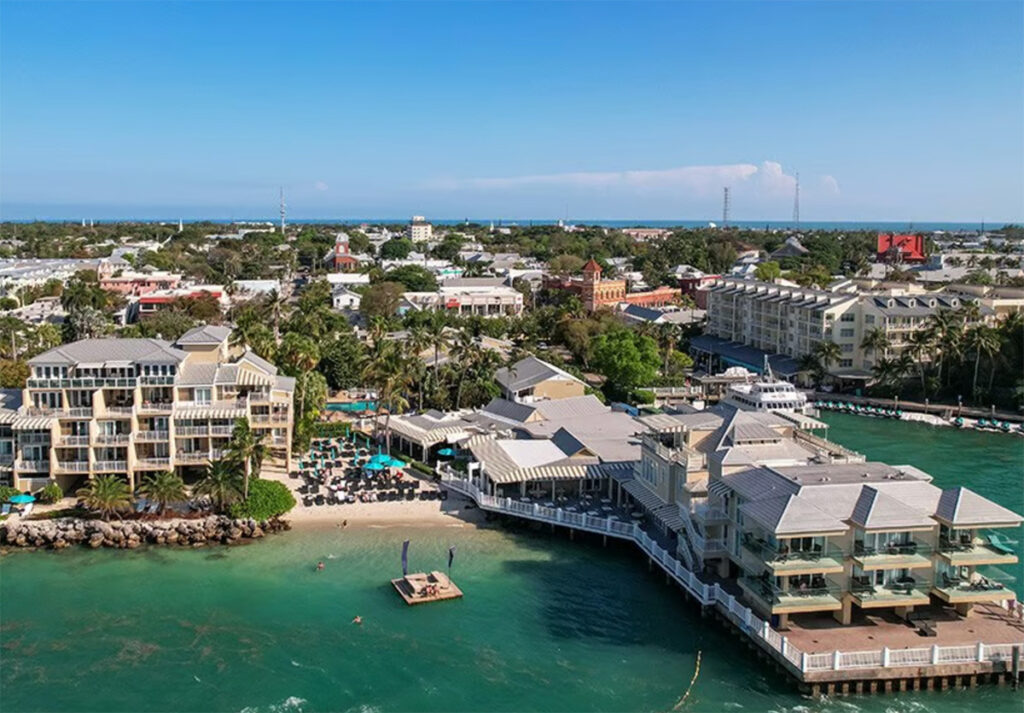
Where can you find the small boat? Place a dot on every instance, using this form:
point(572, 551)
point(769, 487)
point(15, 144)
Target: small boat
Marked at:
point(1005, 426)
point(899, 413)
point(958, 422)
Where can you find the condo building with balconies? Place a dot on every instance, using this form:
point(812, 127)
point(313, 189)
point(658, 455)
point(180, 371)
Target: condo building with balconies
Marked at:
point(132, 406)
point(788, 321)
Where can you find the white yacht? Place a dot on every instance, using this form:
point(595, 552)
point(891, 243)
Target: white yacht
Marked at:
point(766, 393)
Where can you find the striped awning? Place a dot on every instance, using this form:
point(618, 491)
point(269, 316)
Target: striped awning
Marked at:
point(643, 495)
point(30, 423)
point(8, 416)
point(670, 516)
point(719, 488)
point(204, 413)
point(247, 377)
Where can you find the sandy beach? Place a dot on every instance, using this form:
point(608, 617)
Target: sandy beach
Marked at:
point(452, 512)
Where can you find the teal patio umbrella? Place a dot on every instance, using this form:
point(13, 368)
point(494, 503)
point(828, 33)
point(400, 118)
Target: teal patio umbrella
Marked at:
point(22, 499)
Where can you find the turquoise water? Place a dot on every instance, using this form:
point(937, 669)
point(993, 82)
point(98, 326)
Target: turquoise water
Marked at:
point(353, 406)
point(546, 624)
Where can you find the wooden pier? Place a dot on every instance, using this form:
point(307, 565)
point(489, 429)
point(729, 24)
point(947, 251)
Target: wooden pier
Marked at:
point(424, 587)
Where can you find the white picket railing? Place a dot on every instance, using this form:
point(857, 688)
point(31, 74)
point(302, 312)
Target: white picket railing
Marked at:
point(742, 616)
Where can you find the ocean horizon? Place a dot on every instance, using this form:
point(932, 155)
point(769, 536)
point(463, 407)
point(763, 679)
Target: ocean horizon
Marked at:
point(880, 225)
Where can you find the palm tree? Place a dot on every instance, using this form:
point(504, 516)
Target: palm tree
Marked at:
point(948, 333)
point(273, 305)
point(437, 332)
point(828, 353)
point(248, 450)
point(980, 340)
point(299, 354)
point(163, 489)
point(221, 483)
point(876, 342)
point(106, 494)
point(464, 353)
point(668, 336)
point(387, 371)
point(415, 344)
point(810, 363)
point(919, 344)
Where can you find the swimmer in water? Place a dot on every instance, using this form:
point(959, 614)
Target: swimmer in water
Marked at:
point(319, 566)
point(357, 620)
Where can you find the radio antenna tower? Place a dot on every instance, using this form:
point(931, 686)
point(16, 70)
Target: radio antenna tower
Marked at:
point(725, 207)
point(282, 211)
point(796, 202)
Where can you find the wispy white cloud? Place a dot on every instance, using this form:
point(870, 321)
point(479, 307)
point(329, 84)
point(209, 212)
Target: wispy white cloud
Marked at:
point(831, 184)
point(320, 186)
point(767, 178)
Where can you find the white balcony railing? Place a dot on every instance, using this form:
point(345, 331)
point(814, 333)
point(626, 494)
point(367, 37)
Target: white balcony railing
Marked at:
point(152, 463)
point(33, 466)
point(73, 466)
point(73, 440)
point(111, 466)
point(151, 436)
point(113, 438)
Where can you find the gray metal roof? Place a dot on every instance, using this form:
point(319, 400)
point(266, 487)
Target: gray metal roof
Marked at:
point(962, 507)
point(205, 334)
point(529, 372)
point(100, 351)
point(791, 515)
point(503, 408)
point(876, 510)
point(259, 362)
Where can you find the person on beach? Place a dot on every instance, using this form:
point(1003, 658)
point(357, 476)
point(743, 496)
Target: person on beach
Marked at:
point(357, 620)
point(320, 566)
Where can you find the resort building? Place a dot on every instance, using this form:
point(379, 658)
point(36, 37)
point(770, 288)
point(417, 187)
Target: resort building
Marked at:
point(532, 379)
point(419, 230)
point(748, 320)
point(596, 292)
point(132, 406)
point(800, 525)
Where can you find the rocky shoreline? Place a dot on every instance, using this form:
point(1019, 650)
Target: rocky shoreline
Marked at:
point(59, 533)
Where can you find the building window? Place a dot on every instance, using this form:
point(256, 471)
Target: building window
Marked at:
point(845, 363)
point(848, 317)
point(869, 319)
point(203, 396)
point(847, 332)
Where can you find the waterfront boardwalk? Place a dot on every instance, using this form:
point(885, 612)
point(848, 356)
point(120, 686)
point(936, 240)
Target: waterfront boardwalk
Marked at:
point(823, 657)
point(423, 587)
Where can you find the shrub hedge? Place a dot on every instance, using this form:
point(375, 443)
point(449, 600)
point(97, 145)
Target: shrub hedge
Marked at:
point(267, 499)
point(51, 493)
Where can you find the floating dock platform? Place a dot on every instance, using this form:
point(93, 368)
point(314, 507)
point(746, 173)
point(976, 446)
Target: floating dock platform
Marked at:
point(424, 587)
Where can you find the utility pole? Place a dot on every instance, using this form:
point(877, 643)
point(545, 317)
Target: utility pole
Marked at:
point(282, 211)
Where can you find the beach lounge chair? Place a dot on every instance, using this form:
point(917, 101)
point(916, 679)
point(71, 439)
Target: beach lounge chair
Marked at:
point(6, 510)
point(28, 510)
point(1000, 545)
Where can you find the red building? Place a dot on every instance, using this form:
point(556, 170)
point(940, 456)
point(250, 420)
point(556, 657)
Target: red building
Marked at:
point(901, 248)
point(596, 292)
point(340, 258)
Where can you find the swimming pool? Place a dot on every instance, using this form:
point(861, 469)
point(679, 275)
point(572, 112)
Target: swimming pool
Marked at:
point(353, 406)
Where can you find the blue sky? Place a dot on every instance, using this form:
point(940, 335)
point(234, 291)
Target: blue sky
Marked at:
point(605, 110)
